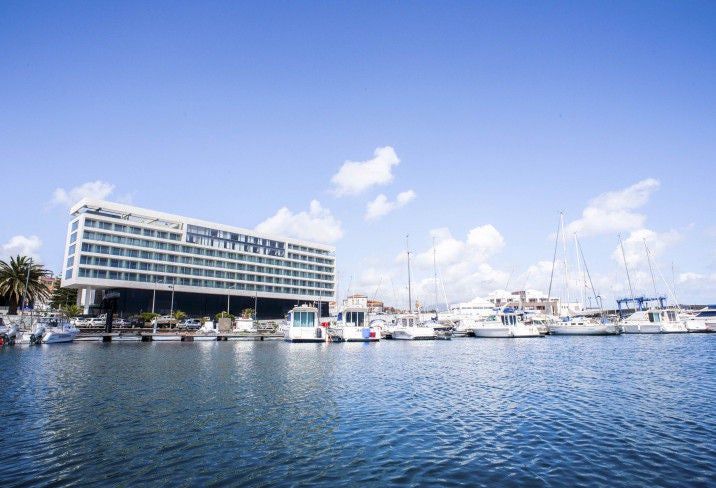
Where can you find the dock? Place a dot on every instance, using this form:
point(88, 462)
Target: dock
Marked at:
point(171, 337)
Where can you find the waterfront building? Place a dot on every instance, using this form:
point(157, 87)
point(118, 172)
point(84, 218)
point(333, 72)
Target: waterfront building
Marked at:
point(162, 262)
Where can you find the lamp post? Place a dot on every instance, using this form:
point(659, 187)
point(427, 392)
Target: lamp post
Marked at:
point(154, 293)
point(171, 307)
point(228, 298)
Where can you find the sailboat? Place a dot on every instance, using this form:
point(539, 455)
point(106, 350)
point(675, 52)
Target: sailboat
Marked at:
point(579, 324)
point(666, 320)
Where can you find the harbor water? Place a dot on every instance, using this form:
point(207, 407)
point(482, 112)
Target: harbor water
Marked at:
point(555, 411)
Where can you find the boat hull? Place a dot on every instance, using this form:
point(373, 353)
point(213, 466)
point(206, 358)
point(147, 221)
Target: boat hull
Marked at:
point(413, 334)
point(642, 329)
point(166, 337)
point(600, 329)
point(305, 334)
point(205, 338)
point(57, 337)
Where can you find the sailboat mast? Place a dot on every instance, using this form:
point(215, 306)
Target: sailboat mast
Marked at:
point(410, 296)
point(580, 273)
point(651, 270)
point(564, 254)
point(631, 290)
point(435, 276)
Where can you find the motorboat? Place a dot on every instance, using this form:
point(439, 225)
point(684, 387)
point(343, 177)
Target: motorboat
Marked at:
point(541, 321)
point(244, 324)
point(703, 321)
point(408, 327)
point(654, 321)
point(505, 324)
point(206, 333)
point(351, 326)
point(57, 330)
point(582, 325)
point(8, 333)
point(302, 325)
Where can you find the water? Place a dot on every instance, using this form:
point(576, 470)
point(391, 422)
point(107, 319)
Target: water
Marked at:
point(555, 411)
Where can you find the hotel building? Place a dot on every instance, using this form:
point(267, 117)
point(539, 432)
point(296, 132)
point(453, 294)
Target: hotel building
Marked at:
point(161, 262)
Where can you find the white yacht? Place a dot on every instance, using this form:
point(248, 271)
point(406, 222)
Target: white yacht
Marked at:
point(704, 320)
point(57, 330)
point(654, 321)
point(352, 326)
point(505, 324)
point(581, 325)
point(302, 325)
point(408, 327)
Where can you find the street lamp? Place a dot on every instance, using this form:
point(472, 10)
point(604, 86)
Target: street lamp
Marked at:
point(228, 298)
point(154, 293)
point(171, 307)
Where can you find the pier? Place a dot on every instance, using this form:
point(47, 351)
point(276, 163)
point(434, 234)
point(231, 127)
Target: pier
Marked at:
point(170, 337)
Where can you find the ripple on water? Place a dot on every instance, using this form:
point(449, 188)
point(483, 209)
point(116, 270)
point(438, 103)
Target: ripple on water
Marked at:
point(548, 412)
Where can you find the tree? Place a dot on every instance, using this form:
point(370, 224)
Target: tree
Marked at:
point(71, 311)
point(247, 313)
point(223, 315)
point(179, 315)
point(20, 272)
point(148, 316)
point(62, 297)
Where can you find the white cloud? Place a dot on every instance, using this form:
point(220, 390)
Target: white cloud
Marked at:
point(318, 224)
point(355, 177)
point(22, 246)
point(462, 269)
point(687, 277)
point(612, 212)
point(381, 206)
point(92, 189)
point(635, 250)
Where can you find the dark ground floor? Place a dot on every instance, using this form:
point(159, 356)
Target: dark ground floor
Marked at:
point(133, 302)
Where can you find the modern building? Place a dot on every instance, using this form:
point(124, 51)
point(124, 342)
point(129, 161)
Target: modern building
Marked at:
point(161, 262)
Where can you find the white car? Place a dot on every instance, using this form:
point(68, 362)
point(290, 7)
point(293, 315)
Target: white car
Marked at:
point(190, 324)
point(164, 320)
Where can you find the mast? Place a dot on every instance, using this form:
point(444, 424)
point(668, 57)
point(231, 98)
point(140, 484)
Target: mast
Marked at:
point(435, 276)
point(580, 274)
point(410, 296)
point(631, 290)
point(564, 253)
point(554, 260)
point(597, 298)
point(651, 269)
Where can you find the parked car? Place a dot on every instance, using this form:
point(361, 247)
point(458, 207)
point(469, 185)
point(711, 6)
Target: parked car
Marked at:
point(136, 322)
point(120, 322)
point(190, 324)
point(164, 320)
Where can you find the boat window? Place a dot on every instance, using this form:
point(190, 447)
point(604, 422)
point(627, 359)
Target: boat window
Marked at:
point(304, 319)
point(654, 317)
point(672, 315)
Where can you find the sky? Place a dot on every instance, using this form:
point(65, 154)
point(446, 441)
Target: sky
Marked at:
point(456, 130)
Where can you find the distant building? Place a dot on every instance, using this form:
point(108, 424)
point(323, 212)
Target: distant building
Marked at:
point(162, 262)
point(527, 300)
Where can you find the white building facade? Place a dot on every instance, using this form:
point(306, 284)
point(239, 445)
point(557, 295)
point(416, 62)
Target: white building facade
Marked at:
point(144, 253)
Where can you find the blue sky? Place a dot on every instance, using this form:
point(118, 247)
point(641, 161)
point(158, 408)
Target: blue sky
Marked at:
point(467, 124)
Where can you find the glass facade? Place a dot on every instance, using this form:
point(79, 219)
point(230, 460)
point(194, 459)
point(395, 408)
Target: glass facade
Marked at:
point(112, 245)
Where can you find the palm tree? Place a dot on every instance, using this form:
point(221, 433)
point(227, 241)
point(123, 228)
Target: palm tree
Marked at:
point(19, 273)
